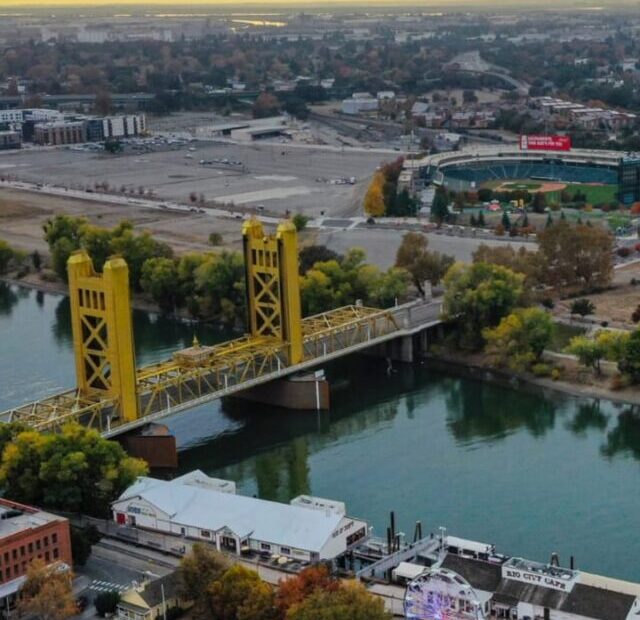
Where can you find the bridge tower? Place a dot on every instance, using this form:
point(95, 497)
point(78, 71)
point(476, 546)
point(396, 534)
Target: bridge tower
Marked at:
point(102, 332)
point(273, 288)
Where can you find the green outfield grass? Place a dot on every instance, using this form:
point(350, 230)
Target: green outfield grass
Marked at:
point(596, 194)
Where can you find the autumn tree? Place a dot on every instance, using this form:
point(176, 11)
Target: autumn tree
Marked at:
point(265, 105)
point(198, 570)
point(294, 590)
point(520, 338)
point(521, 260)
point(576, 257)
point(350, 602)
point(47, 593)
point(240, 594)
point(102, 104)
point(423, 265)
point(374, 198)
point(479, 296)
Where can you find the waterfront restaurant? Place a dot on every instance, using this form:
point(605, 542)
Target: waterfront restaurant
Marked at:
point(517, 589)
point(200, 508)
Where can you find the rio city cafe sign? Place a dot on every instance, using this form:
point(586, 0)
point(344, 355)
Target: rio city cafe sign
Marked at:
point(539, 579)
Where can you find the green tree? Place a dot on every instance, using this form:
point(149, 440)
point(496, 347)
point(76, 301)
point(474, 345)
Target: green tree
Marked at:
point(479, 296)
point(506, 222)
point(539, 202)
point(440, 206)
point(82, 541)
point(421, 264)
point(6, 256)
point(106, 602)
point(64, 227)
point(583, 307)
point(60, 253)
point(159, 279)
point(350, 602)
point(240, 594)
point(137, 249)
point(481, 221)
point(74, 470)
point(97, 242)
point(300, 221)
point(220, 284)
point(36, 260)
point(629, 362)
point(520, 338)
point(589, 351)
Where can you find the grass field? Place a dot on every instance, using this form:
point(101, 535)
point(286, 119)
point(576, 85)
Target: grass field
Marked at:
point(595, 194)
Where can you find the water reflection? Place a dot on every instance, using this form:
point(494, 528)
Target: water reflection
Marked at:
point(8, 298)
point(624, 438)
point(479, 410)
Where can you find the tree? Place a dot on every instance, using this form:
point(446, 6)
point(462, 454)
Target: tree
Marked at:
point(539, 202)
point(521, 261)
point(440, 206)
point(576, 257)
point(97, 242)
point(74, 470)
point(215, 238)
point(520, 338)
point(583, 307)
point(240, 594)
point(82, 540)
point(300, 221)
point(295, 590)
point(481, 222)
point(374, 199)
point(198, 570)
point(479, 296)
point(6, 255)
point(47, 593)
point(589, 351)
point(266, 105)
point(312, 254)
point(421, 264)
point(159, 278)
point(102, 104)
point(350, 602)
point(220, 283)
point(629, 362)
point(60, 253)
point(506, 222)
point(106, 602)
point(36, 260)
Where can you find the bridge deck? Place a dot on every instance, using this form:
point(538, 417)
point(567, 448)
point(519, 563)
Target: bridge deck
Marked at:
point(200, 374)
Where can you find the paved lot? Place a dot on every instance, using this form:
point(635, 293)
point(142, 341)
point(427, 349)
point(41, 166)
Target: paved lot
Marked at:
point(381, 245)
point(276, 175)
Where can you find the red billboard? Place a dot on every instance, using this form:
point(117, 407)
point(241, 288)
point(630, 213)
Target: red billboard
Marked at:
point(545, 143)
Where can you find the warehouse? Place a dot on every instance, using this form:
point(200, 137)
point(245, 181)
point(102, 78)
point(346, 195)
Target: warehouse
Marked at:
point(198, 507)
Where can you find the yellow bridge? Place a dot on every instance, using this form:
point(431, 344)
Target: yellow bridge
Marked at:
point(115, 397)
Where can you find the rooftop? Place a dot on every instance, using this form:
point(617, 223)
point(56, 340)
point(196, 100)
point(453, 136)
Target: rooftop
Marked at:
point(203, 507)
point(16, 518)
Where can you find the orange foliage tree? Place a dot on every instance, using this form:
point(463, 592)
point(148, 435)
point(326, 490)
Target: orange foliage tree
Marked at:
point(294, 590)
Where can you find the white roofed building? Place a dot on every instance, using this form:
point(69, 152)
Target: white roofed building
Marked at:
point(200, 508)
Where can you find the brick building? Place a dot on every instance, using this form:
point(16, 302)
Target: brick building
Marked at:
point(27, 533)
point(60, 132)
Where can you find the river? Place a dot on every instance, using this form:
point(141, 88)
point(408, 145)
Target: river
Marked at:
point(532, 472)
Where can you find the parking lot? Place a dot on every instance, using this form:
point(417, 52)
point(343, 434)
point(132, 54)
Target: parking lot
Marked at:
point(275, 176)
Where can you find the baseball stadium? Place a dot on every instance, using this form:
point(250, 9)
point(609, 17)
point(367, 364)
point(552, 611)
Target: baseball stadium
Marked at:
point(601, 176)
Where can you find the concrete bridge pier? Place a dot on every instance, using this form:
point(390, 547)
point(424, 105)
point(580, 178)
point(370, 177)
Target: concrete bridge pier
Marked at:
point(408, 348)
point(302, 392)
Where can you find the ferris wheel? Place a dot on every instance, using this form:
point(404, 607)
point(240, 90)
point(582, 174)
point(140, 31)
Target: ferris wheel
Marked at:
point(441, 594)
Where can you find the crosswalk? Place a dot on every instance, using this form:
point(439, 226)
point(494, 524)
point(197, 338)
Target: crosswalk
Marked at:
point(106, 586)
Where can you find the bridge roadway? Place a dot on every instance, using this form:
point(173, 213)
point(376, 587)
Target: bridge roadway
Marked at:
point(200, 374)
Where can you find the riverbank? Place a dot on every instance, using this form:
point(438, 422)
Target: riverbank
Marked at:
point(474, 366)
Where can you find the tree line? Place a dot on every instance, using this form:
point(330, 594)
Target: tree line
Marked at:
point(211, 284)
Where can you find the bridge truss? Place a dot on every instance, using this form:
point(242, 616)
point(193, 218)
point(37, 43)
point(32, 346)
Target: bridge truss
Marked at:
point(201, 373)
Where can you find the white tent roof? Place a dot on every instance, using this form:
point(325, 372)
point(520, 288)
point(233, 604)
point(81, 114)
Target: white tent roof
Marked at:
point(408, 570)
point(207, 509)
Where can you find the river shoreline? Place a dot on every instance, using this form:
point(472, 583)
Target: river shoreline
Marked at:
point(470, 368)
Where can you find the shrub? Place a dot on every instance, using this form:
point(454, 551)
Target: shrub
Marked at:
point(583, 307)
point(619, 382)
point(499, 230)
point(623, 252)
point(300, 221)
point(106, 602)
point(542, 370)
point(215, 238)
point(555, 374)
point(548, 303)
